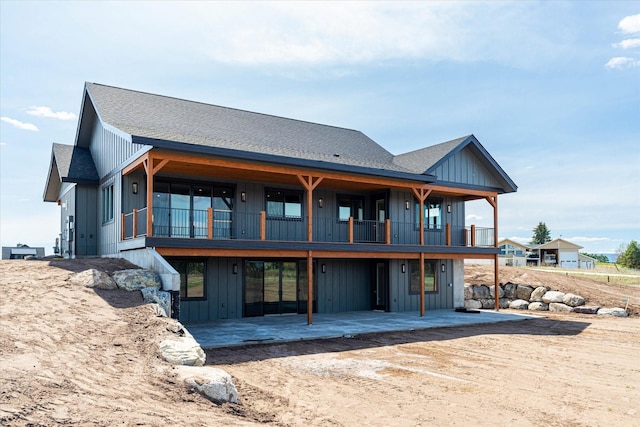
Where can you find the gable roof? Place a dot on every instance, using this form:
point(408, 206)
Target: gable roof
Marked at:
point(558, 244)
point(173, 123)
point(513, 243)
point(429, 159)
point(168, 122)
point(68, 164)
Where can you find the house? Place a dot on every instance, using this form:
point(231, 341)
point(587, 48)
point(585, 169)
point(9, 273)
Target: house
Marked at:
point(248, 214)
point(558, 252)
point(21, 251)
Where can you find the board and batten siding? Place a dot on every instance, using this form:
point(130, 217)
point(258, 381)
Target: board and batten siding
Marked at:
point(110, 154)
point(402, 300)
point(465, 168)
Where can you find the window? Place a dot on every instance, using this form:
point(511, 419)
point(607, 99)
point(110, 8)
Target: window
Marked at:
point(430, 284)
point(432, 214)
point(284, 204)
point(350, 206)
point(192, 284)
point(107, 204)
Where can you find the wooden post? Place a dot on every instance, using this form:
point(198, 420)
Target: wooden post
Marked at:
point(123, 231)
point(310, 288)
point(135, 223)
point(210, 223)
point(387, 229)
point(263, 225)
point(448, 228)
point(496, 279)
point(421, 284)
point(350, 229)
point(148, 166)
point(473, 235)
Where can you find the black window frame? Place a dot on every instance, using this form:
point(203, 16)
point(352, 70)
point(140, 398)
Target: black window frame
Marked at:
point(182, 267)
point(353, 200)
point(427, 207)
point(414, 270)
point(108, 208)
point(283, 196)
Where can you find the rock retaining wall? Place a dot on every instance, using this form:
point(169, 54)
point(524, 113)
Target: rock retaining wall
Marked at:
point(526, 297)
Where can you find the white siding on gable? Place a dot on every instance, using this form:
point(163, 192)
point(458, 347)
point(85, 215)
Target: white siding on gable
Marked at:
point(465, 168)
point(109, 150)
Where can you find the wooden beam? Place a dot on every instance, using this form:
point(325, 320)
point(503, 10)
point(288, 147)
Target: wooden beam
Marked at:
point(135, 223)
point(496, 283)
point(210, 223)
point(137, 163)
point(149, 170)
point(387, 231)
point(255, 253)
point(422, 284)
point(350, 229)
point(263, 225)
point(448, 231)
point(310, 288)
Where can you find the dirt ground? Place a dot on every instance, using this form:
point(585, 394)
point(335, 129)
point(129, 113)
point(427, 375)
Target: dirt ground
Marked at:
point(73, 355)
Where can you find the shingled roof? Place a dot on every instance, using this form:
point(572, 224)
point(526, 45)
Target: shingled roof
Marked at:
point(154, 118)
point(69, 164)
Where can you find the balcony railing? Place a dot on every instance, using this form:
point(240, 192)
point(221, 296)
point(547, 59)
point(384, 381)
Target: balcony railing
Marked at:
point(225, 224)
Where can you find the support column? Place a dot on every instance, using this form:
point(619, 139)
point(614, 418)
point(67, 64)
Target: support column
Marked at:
point(309, 183)
point(310, 288)
point(493, 201)
point(421, 194)
point(421, 284)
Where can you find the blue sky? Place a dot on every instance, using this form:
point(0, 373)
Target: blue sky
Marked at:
point(551, 89)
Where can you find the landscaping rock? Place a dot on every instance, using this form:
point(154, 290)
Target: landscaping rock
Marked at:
point(214, 383)
point(472, 303)
point(510, 290)
point(524, 292)
point(488, 302)
point(538, 306)
point(616, 311)
point(492, 292)
point(137, 279)
point(553, 296)
point(480, 292)
point(503, 303)
point(519, 304)
point(93, 278)
point(184, 350)
point(559, 307)
point(162, 298)
point(536, 295)
point(573, 300)
point(586, 309)
point(468, 291)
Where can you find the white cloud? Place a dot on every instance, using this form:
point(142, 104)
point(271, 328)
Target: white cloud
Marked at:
point(474, 217)
point(19, 124)
point(47, 112)
point(620, 62)
point(630, 24)
point(628, 43)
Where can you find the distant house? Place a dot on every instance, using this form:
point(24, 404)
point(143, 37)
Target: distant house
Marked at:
point(21, 251)
point(258, 215)
point(556, 253)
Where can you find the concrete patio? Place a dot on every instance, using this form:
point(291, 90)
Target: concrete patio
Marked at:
point(286, 328)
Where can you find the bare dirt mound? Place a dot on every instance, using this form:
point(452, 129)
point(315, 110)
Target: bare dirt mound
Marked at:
point(593, 291)
point(71, 355)
point(74, 355)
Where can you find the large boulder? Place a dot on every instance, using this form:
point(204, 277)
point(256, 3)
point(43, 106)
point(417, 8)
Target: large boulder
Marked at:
point(492, 292)
point(472, 303)
point(573, 300)
point(559, 307)
point(519, 304)
point(214, 383)
point(616, 311)
point(468, 291)
point(183, 350)
point(538, 306)
point(536, 295)
point(553, 296)
point(510, 290)
point(586, 309)
point(524, 292)
point(137, 279)
point(488, 302)
point(162, 298)
point(93, 278)
point(480, 292)
point(503, 303)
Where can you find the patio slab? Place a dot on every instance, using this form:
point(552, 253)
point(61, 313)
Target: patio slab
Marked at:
point(287, 328)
